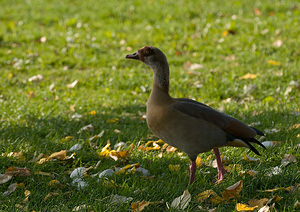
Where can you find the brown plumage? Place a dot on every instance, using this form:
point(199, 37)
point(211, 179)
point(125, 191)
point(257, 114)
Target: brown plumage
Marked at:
point(189, 125)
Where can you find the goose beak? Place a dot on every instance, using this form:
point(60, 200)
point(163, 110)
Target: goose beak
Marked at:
point(134, 56)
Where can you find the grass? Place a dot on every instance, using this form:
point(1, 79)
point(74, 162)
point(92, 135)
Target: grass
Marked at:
point(88, 40)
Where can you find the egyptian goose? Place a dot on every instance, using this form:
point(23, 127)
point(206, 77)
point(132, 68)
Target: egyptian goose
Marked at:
point(189, 125)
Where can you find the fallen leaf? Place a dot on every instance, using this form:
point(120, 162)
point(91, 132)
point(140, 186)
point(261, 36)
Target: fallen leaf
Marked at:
point(182, 201)
point(4, 178)
point(258, 202)
point(287, 159)
point(43, 173)
point(78, 172)
point(79, 183)
point(86, 128)
point(82, 208)
point(27, 193)
point(109, 184)
point(61, 155)
point(270, 143)
point(75, 148)
point(195, 66)
point(11, 188)
point(73, 84)
point(139, 206)
point(204, 195)
point(199, 161)
point(16, 171)
point(35, 159)
point(273, 62)
point(233, 191)
point(249, 76)
point(67, 138)
point(51, 194)
point(277, 189)
point(250, 159)
point(106, 173)
point(119, 199)
point(17, 155)
point(97, 136)
point(243, 207)
point(265, 208)
point(144, 171)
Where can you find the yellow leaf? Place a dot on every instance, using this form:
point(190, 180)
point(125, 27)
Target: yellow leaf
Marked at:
point(115, 120)
point(243, 207)
point(27, 193)
point(249, 76)
point(125, 168)
point(199, 161)
point(204, 195)
point(258, 202)
point(61, 155)
point(233, 191)
point(277, 189)
point(67, 138)
point(92, 113)
point(211, 195)
point(232, 167)
point(216, 199)
point(273, 62)
point(175, 167)
point(139, 206)
point(120, 154)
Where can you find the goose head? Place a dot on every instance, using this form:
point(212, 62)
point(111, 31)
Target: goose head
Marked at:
point(151, 56)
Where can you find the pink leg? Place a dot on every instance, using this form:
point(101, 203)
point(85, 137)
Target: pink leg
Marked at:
point(193, 167)
point(221, 170)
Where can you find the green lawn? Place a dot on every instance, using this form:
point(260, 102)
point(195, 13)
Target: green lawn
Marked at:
point(87, 41)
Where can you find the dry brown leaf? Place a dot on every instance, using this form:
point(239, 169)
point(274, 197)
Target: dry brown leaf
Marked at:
point(16, 171)
point(204, 195)
point(61, 155)
point(35, 159)
point(139, 206)
point(249, 76)
point(182, 201)
point(258, 202)
point(244, 207)
point(233, 191)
